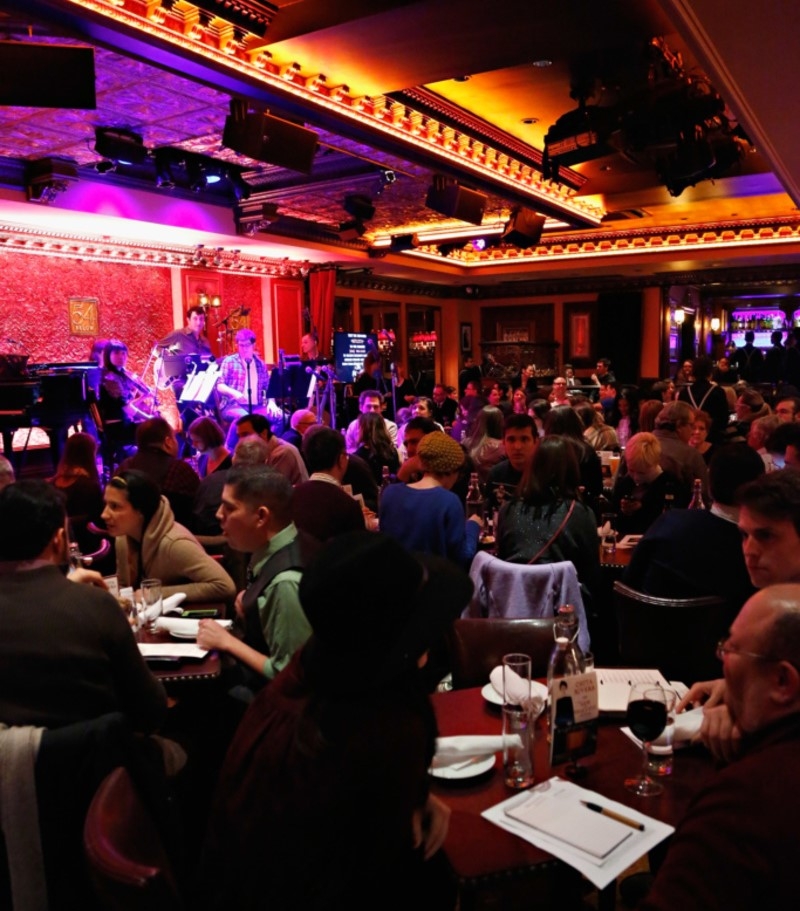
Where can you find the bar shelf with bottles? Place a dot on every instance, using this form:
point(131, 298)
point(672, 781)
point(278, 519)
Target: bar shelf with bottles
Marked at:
point(762, 321)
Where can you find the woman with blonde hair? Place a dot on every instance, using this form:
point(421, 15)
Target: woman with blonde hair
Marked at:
point(641, 494)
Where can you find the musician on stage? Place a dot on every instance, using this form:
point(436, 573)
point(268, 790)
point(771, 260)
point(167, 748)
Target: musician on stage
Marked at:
point(119, 403)
point(191, 340)
point(243, 383)
point(309, 347)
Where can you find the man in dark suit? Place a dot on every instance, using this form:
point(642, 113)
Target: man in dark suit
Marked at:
point(691, 552)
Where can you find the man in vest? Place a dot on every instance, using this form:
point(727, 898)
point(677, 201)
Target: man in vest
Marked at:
point(703, 395)
point(255, 517)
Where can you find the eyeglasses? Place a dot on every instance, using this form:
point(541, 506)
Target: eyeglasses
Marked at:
point(723, 650)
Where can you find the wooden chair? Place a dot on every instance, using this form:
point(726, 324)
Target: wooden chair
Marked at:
point(676, 635)
point(129, 866)
point(477, 646)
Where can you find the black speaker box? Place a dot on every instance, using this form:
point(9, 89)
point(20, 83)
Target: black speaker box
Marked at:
point(270, 139)
point(457, 202)
point(524, 229)
point(46, 76)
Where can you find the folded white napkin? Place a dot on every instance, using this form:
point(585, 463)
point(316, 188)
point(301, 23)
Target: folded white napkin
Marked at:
point(518, 689)
point(466, 746)
point(170, 605)
point(687, 724)
point(183, 627)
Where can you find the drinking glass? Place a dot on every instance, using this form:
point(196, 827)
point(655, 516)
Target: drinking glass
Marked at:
point(608, 534)
point(647, 718)
point(518, 721)
point(660, 751)
point(151, 602)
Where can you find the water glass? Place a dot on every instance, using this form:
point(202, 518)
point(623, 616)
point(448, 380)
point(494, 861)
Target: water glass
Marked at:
point(660, 752)
point(518, 721)
point(151, 602)
point(608, 534)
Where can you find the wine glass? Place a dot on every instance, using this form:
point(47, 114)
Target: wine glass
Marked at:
point(647, 718)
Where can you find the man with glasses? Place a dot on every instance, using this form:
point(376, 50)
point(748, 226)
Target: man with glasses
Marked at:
point(769, 522)
point(558, 395)
point(243, 384)
point(737, 847)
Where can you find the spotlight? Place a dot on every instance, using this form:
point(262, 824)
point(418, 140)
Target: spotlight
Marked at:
point(196, 174)
point(164, 177)
point(120, 145)
point(351, 230)
point(47, 177)
point(105, 166)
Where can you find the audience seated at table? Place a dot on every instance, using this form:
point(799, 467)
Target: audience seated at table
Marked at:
point(687, 553)
point(640, 492)
point(77, 478)
point(702, 394)
point(320, 507)
point(624, 416)
point(426, 515)
point(413, 432)
point(562, 421)
point(700, 436)
point(157, 457)
point(375, 446)
point(758, 435)
point(519, 439)
point(255, 515)
point(208, 440)
point(674, 428)
point(548, 522)
point(484, 444)
point(599, 435)
point(323, 799)
point(150, 544)
point(281, 456)
point(737, 848)
point(67, 653)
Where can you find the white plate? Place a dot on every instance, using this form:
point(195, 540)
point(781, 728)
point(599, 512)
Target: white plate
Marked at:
point(490, 694)
point(178, 635)
point(478, 766)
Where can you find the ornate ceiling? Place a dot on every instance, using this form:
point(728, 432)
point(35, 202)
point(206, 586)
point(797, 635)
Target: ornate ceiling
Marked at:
point(384, 86)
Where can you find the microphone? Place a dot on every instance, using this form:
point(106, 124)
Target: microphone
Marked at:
point(281, 358)
point(312, 372)
point(174, 349)
point(393, 369)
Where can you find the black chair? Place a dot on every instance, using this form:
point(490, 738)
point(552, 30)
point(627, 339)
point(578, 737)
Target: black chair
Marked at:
point(676, 635)
point(477, 646)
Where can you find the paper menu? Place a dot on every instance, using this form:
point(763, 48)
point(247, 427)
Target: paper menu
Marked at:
point(598, 871)
point(614, 685)
point(558, 815)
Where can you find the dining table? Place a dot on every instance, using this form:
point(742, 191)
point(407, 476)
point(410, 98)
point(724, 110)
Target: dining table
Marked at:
point(183, 670)
point(494, 868)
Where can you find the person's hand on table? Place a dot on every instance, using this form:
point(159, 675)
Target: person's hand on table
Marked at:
point(720, 733)
point(430, 825)
point(211, 635)
point(87, 577)
point(707, 693)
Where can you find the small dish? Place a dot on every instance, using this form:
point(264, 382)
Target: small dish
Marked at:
point(490, 694)
point(477, 766)
point(176, 634)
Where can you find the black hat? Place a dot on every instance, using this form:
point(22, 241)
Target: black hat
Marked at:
point(369, 599)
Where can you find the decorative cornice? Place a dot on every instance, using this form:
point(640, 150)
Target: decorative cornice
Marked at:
point(92, 248)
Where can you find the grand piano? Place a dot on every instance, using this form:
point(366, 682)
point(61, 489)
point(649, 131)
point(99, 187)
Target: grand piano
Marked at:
point(53, 396)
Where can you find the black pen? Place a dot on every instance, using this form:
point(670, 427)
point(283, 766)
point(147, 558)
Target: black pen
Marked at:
point(596, 808)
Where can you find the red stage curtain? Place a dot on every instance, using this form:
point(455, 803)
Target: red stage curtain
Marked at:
point(322, 291)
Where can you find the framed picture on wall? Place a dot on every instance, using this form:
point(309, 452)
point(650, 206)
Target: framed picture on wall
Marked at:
point(466, 337)
point(579, 333)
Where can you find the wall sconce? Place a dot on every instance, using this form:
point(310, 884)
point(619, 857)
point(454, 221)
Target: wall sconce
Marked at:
point(680, 316)
point(202, 298)
point(715, 324)
point(216, 301)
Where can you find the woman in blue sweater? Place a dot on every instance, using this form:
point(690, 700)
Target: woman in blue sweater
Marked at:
point(427, 516)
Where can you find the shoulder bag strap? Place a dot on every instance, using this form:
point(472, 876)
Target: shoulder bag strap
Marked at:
point(558, 531)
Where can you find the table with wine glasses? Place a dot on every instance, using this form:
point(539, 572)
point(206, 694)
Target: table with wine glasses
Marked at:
point(188, 670)
point(494, 868)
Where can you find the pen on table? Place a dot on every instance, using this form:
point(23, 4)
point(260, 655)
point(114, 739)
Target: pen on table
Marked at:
point(596, 808)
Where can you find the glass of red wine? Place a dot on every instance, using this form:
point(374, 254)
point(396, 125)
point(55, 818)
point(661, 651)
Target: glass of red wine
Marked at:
point(647, 718)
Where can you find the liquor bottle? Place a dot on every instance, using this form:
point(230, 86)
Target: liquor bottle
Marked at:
point(697, 495)
point(566, 657)
point(474, 500)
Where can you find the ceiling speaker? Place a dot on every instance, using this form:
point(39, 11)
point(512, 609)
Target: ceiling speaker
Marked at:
point(272, 140)
point(457, 202)
point(524, 229)
point(46, 76)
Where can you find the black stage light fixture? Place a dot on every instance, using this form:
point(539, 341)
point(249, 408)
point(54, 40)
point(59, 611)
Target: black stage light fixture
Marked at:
point(253, 215)
point(120, 145)
point(47, 177)
point(448, 197)
point(351, 230)
point(262, 137)
point(524, 229)
point(164, 159)
point(359, 206)
point(46, 76)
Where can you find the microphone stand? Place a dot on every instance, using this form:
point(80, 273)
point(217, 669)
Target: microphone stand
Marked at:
point(331, 396)
point(393, 371)
point(249, 388)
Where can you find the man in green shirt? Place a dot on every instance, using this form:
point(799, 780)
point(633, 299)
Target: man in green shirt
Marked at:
point(254, 515)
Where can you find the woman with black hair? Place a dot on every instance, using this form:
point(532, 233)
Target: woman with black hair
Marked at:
point(375, 446)
point(563, 421)
point(548, 523)
point(625, 415)
point(150, 544)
